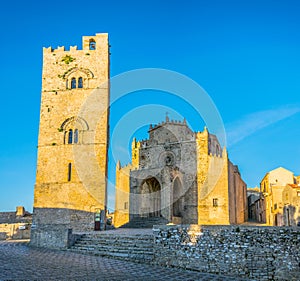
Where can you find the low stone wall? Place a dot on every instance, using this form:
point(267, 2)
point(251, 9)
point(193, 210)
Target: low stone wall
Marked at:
point(53, 237)
point(259, 253)
point(75, 219)
point(14, 231)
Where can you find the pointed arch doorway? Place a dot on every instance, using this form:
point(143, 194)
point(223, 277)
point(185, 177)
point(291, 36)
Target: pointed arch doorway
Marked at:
point(150, 198)
point(178, 201)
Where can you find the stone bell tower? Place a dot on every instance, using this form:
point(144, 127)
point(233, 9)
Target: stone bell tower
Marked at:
point(73, 140)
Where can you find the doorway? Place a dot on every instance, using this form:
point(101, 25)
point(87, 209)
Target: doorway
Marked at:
point(151, 198)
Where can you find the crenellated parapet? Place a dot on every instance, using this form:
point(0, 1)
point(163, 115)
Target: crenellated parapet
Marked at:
point(59, 49)
point(83, 63)
point(167, 122)
point(89, 43)
point(47, 50)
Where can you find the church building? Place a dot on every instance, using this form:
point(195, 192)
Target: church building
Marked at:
point(176, 175)
point(179, 176)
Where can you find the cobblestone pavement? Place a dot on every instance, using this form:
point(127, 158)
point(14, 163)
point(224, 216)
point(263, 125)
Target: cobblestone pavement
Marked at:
point(18, 261)
point(123, 231)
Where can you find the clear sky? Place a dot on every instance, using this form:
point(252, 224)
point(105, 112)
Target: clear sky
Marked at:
point(245, 54)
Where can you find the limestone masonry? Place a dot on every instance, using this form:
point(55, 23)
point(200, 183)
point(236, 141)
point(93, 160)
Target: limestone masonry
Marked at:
point(259, 253)
point(176, 176)
point(182, 176)
point(71, 172)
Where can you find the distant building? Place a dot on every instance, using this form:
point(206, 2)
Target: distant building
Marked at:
point(272, 186)
point(15, 225)
point(256, 205)
point(182, 177)
point(291, 201)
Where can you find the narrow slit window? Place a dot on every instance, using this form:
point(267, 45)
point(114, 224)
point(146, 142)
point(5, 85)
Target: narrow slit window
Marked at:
point(69, 171)
point(67, 85)
point(215, 202)
point(70, 136)
point(73, 83)
point(76, 136)
point(80, 84)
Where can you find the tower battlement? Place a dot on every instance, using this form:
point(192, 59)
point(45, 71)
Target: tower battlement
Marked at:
point(59, 49)
point(89, 43)
point(60, 66)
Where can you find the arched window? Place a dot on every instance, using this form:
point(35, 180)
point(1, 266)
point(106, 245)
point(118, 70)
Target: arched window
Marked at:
point(73, 83)
point(80, 84)
point(73, 128)
point(76, 136)
point(69, 171)
point(70, 136)
point(92, 44)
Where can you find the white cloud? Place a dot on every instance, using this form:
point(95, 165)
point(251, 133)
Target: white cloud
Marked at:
point(253, 122)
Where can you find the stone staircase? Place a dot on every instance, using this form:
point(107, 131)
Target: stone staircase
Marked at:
point(134, 247)
point(140, 222)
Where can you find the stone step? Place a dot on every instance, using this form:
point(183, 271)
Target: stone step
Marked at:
point(140, 222)
point(125, 256)
point(116, 246)
point(113, 236)
point(116, 241)
point(119, 246)
point(128, 255)
point(117, 238)
point(114, 250)
point(129, 247)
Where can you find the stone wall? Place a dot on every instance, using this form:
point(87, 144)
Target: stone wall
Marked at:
point(122, 195)
point(74, 219)
point(53, 237)
point(15, 225)
point(259, 253)
point(212, 180)
point(238, 206)
point(14, 231)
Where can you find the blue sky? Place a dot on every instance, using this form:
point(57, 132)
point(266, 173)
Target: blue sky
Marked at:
point(245, 54)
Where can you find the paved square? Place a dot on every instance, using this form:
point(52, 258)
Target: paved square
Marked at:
point(18, 261)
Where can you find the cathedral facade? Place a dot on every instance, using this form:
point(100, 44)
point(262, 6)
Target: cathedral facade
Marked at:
point(181, 176)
